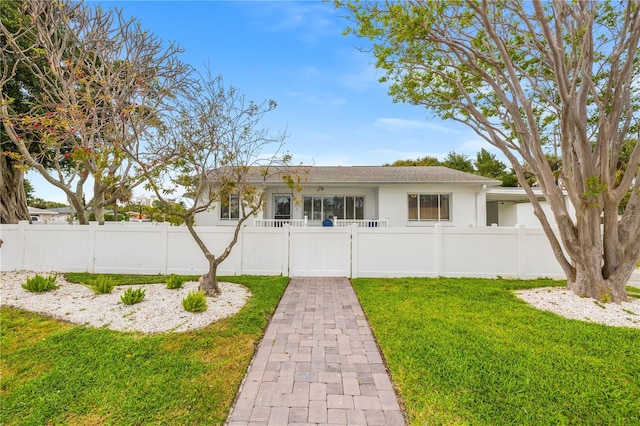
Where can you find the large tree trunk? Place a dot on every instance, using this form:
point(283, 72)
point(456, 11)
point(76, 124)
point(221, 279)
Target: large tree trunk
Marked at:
point(13, 199)
point(601, 264)
point(209, 282)
point(590, 283)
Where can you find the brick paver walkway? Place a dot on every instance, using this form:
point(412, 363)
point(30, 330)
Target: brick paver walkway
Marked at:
point(318, 363)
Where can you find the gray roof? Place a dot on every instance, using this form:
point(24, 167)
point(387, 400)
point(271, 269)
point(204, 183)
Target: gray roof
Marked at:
point(381, 175)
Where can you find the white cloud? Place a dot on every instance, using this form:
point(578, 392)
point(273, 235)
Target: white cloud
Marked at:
point(317, 20)
point(362, 79)
point(394, 124)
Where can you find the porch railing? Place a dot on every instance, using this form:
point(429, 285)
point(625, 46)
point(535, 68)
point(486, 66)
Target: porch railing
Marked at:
point(362, 223)
point(279, 223)
point(300, 223)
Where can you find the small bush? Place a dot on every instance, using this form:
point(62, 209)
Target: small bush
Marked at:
point(195, 302)
point(102, 285)
point(132, 296)
point(40, 284)
point(175, 282)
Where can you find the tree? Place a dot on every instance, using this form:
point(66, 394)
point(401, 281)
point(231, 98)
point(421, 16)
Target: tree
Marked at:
point(518, 74)
point(210, 150)
point(28, 190)
point(488, 165)
point(456, 161)
point(104, 84)
point(13, 203)
point(424, 161)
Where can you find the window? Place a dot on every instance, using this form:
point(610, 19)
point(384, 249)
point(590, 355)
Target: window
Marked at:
point(429, 207)
point(230, 207)
point(282, 206)
point(330, 206)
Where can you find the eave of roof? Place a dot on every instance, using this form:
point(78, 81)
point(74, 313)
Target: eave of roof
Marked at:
point(381, 175)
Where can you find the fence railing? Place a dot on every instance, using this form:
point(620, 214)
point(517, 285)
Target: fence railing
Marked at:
point(351, 251)
point(279, 223)
point(362, 223)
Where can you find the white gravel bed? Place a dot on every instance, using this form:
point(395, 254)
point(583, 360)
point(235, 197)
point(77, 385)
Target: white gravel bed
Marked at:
point(566, 303)
point(160, 311)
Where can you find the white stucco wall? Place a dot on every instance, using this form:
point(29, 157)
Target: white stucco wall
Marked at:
point(507, 213)
point(464, 204)
point(511, 214)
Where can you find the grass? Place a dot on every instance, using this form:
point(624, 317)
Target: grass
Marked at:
point(57, 373)
point(633, 292)
point(469, 352)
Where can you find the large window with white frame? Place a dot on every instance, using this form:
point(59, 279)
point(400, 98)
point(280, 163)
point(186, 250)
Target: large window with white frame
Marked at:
point(429, 207)
point(330, 206)
point(230, 207)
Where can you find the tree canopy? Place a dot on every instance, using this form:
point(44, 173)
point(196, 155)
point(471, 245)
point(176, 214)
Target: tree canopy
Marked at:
point(102, 84)
point(523, 75)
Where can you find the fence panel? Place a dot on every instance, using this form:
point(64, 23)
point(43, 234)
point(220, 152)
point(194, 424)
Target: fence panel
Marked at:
point(480, 252)
point(538, 258)
point(320, 252)
point(395, 252)
point(184, 257)
point(11, 252)
point(56, 247)
point(130, 249)
point(265, 251)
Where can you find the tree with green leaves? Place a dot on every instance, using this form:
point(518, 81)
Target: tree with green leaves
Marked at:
point(103, 83)
point(456, 161)
point(521, 74)
point(13, 186)
point(424, 161)
point(487, 165)
point(210, 150)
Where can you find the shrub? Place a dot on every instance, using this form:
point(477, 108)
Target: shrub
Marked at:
point(175, 282)
point(102, 285)
point(39, 284)
point(195, 302)
point(132, 296)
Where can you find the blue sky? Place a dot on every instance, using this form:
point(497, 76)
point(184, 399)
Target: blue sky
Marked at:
point(329, 99)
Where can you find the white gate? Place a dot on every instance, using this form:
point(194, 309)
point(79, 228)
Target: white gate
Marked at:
point(320, 252)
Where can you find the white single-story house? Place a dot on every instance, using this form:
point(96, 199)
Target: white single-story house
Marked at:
point(46, 215)
point(370, 196)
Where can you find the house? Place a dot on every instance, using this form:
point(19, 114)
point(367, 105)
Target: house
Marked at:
point(511, 206)
point(368, 196)
point(43, 215)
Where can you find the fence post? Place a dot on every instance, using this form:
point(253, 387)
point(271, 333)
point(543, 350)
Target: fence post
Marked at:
point(91, 249)
point(355, 230)
point(286, 249)
point(439, 250)
point(165, 240)
point(522, 242)
point(22, 225)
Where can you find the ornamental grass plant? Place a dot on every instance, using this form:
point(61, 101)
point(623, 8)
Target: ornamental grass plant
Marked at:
point(195, 302)
point(40, 284)
point(132, 296)
point(102, 284)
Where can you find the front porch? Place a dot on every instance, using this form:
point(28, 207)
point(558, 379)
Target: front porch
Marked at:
point(301, 223)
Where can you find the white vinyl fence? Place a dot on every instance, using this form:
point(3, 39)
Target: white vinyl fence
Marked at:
point(353, 251)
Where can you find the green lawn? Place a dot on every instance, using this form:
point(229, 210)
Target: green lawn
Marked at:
point(467, 351)
point(56, 373)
